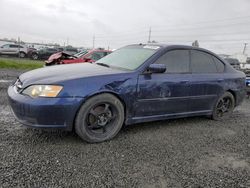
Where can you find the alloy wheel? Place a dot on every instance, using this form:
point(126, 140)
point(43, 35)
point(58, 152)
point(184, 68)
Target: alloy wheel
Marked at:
point(100, 118)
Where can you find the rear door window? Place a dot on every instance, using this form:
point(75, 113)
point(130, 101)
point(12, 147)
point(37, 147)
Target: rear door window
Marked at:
point(220, 66)
point(52, 50)
point(202, 62)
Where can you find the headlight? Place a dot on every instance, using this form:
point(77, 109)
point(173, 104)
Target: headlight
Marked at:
point(42, 90)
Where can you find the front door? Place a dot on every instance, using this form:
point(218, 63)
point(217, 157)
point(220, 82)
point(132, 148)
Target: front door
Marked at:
point(165, 93)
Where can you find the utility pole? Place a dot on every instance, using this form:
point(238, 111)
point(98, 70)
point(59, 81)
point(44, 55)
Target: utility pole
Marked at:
point(67, 41)
point(93, 41)
point(245, 47)
point(149, 35)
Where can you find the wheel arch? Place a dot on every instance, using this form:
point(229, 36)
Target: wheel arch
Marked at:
point(234, 95)
point(99, 93)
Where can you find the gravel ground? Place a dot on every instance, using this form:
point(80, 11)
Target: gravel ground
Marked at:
point(191, 152)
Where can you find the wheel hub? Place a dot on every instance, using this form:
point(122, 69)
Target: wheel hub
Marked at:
point(102, 119)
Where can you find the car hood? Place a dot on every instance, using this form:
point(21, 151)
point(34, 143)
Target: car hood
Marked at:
point(59, 73)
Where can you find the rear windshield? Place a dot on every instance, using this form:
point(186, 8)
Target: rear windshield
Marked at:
point(80, 54)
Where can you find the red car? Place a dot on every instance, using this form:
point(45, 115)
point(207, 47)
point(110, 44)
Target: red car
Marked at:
point(81, 57)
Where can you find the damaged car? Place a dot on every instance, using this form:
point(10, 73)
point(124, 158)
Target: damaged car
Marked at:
point(81, 57)
point(134, 84)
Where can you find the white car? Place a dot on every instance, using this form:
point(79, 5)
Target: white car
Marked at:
point(14, 49)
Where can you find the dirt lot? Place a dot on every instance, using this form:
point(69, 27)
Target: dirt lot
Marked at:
point(191, 152)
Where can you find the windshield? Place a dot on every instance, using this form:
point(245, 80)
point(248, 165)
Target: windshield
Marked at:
point(130, 57)
point(80, 54)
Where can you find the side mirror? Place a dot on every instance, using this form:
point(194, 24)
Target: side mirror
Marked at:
point(156, 68)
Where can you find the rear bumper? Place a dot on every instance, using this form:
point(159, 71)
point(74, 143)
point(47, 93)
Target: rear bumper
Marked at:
point(44, 112)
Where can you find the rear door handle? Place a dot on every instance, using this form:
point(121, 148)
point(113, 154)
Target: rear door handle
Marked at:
point(220, 80)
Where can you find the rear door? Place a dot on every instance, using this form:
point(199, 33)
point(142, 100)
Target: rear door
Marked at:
point(165, 93)
point(14, 49)
point(206, 83)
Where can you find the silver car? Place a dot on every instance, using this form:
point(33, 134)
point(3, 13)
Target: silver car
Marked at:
point(13, 49)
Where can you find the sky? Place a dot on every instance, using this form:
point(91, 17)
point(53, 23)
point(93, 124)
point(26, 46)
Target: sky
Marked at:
point(222, 26)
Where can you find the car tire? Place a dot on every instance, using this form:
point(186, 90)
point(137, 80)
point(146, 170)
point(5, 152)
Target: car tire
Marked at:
point(224, 107)
point(34, 56)
point(100, 118)
point(22, 54)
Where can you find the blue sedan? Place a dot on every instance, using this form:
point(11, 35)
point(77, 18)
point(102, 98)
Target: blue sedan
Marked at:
point(136, 83)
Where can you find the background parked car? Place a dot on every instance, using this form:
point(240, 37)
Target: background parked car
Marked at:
point(248, 85)
point(14, 49)
point(43, 53)
point(234, 62)
point(70, 50)
point(30, 51)
point(81, 57)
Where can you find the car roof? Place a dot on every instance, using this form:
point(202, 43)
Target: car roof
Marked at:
point(179, 46)
point(175, 46)
point(164, 45)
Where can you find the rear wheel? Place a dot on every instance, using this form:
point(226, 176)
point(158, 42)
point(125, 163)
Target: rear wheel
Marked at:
point(34, 56)
point(224, 107)
point(100, 118)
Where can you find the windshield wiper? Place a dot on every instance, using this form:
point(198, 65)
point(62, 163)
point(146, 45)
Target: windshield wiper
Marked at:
point(103, 64)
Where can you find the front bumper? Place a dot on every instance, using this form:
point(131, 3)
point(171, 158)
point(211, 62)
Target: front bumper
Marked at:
point(44, 112)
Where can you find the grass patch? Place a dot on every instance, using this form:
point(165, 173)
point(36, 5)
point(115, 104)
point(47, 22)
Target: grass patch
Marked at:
point(16, 63)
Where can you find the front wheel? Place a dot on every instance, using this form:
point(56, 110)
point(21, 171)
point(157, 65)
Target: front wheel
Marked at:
point(224, 107)
point(100, 118)
point(22, 54)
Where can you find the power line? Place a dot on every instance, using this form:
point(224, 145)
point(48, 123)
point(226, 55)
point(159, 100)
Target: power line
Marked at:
point(203, 22)
point(203, 27)
point(200, 35)
point(212, 27)
point(205, 40)
point(144, 28)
